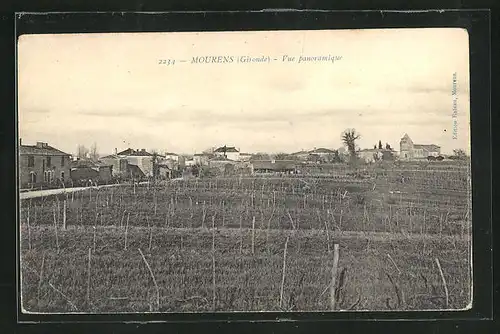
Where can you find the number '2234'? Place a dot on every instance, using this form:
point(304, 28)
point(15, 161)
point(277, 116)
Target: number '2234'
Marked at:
point(166, 62)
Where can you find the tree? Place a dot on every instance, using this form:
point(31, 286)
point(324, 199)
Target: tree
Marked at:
point(260, 156)
point(387, 146)
point(154, 162)
point(459, 154)
point(374, 147)
point(349, 137)
point(281, 156)
point(379, 144)
point(94, 154)
point(82, 151)
point(335, 157)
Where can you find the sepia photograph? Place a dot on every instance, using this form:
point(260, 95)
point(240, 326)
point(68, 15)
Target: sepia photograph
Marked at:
point(244, 171)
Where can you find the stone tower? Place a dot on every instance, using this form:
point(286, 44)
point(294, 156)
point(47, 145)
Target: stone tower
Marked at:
point(406, 147)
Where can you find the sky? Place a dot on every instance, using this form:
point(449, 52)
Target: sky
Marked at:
point(110, 89)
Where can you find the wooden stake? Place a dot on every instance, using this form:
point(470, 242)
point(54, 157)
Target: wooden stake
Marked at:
point(213, 262)
point(88, 275)
point(443, 280)
point(333, 284)
point(253, 234)
point(241, 235)
point(55, 229)
point(126, 230)
point(40, 280)
point(29, 229)
point(283, 273)
point(64, 215)
point(154, 280)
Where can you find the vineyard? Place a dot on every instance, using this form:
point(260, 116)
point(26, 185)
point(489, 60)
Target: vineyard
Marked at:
point(397, 239)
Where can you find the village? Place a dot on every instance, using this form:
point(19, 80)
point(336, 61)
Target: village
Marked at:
point(42, 165)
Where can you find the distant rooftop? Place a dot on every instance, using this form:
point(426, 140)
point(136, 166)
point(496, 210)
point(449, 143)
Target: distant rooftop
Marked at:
point(136, 153)
point(227, 149)
point(322, 150)
point(430, 147)
point(274, 164)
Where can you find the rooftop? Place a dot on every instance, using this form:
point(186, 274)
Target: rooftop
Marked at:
point(41, 149)
point(227, 149)
point(136, 153)
point(274, 164)
point(322, 150)
point(81, 163)
point(430, 147)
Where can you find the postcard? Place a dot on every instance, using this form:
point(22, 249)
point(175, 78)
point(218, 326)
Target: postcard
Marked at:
point(248, 171)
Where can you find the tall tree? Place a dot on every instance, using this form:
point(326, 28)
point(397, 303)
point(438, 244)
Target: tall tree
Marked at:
point(349, 138)
point(379, 144)
point(94, 154)
point(154, 162)
point(82, 151)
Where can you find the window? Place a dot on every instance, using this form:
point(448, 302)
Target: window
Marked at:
point(31, 161)
point(48, 162)
point(62, 161)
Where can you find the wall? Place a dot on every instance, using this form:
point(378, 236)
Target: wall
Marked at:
point(144, 163)
point(233, 156)
point(105, 173)
point(119, 165)
point(40, 167)
point(406, 149)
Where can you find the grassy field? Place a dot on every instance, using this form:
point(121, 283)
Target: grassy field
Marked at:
point(253, 244)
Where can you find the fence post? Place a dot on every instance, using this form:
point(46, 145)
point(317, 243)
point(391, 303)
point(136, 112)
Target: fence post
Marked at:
point(333, 284)
point(64, 215)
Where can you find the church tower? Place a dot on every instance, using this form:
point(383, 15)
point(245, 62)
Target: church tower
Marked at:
point(406, 147)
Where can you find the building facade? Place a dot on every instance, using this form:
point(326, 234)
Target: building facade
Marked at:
point(43, 164)
point(410, 150)
point(201, 159)
point(140, 158)
point(120, 165)
point(231, 153)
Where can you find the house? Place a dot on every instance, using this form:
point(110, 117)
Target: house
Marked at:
point(83, 170)
point(218, 161)
point(322, 152)
point(140, 158)
point(245, 156)
point(376, 154)
point(410, 151)
point(119, 164)
point(274, 166)
point(202, 159)
point(189, 162)
point(301, 155)
point(231, 153)
point(42, 164)
point(165, 171)
point(171, 156)
point(134, 172)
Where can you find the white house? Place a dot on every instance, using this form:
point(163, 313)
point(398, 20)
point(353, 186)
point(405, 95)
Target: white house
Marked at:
point(245, 156)
point(231, 153)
